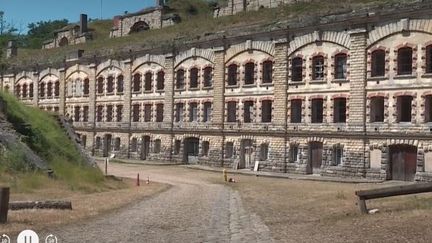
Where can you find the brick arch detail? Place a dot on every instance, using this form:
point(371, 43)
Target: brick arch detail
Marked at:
point(412, 142)
point(77, 68)
point(108, 64)
point(317, 139)
point(49, 72)
point(206, 54)
point(157, 59)
point(262, 46)
point(338, 38)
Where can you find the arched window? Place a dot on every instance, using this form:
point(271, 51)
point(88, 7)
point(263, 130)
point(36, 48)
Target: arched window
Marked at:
point(110, 84)
point(49, 89)
point(86, 86)
point(405, 61)
point(193, 77)
point(120, 84)
point(318, 68)
point(148, 78)
point(180, 76)
point(100, 85)
point(429, 59)
point(57, 89)
point(31, 90)
point(232, 74)
point(340, 66)
point(249, 73)
point(160, 82)
point(136, 87)
point(42, 90)
point(208, 79)
point(378, 63)
point(297, 69)
point(267, 72)
point(24, 91)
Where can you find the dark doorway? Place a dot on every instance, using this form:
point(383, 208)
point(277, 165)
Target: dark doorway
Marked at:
point(145, 147)
point(246, 154)
point(315, 157)
point(107, 145)
point(403, 162)
point(63, 42)
point(191, 150)
point(139, 27)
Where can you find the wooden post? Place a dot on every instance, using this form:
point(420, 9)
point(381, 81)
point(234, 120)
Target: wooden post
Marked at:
point(4, 204)
point(106, 166)
point(362, 205)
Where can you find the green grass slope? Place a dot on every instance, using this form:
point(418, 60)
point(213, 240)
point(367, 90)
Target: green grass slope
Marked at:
point(46, 138)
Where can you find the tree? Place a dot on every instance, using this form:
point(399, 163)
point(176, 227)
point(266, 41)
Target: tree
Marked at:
point(42, 31)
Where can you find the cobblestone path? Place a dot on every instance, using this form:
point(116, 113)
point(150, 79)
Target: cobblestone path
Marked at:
point(192, 210)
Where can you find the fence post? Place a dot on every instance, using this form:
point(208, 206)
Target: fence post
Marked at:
point(4, 204)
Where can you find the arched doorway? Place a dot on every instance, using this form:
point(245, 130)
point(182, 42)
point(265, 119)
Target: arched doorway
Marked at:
point(145, 147)
point(246, 154)
point(191, 150)
point(63, 42)
point(314, 158)
point(402, 162)
point(139, 27)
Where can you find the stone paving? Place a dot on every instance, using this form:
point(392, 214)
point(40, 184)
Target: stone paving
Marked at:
point(193, 210)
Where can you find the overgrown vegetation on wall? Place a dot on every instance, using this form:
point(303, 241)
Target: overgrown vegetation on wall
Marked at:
point(41, 132)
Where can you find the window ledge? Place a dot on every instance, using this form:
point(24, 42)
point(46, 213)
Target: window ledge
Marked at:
point(180, 90)
point(297, 83)
point(136, 92)
point(194, 89)
point(340, 81)
point(321, 81)
point(249, 85)
point(207, 87)
point(404, 76)
point(378, 78)
point(148, 91)
point(427, 75)
point(266, 84)
point(232, 86)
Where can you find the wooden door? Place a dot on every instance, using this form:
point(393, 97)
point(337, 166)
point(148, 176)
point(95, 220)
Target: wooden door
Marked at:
point(315, 157)
point(403, 162)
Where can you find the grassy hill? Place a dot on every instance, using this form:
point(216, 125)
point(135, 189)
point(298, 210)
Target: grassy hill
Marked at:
point(41, 132)
point(198, 22)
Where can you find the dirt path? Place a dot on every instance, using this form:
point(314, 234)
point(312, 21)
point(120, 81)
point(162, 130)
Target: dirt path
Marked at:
point(193, 210)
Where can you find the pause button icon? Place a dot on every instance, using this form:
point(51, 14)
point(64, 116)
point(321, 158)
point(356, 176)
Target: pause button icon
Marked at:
point(28, 236)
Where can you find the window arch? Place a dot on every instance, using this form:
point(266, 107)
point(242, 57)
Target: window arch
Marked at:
point(180, 76)
point(232, 74)
point(136, 87)
point(404, 61)
point(24, 91)
point(49, 89)
point(318, 67)
point(378, 63)
point(86, 86)
point(110, 84)
point(42, 90)
point(249, 73)
point(297, 69)
point(57, 89)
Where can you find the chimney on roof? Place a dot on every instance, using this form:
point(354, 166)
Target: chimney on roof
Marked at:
point(83, 23)
point(12, 49)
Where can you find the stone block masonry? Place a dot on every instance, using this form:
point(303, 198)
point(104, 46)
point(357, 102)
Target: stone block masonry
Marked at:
point(335, 99)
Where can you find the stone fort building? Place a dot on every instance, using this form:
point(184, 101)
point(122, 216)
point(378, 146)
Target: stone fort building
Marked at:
point(350, 98)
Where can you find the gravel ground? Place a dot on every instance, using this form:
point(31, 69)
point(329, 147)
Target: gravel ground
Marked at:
point(193, 210)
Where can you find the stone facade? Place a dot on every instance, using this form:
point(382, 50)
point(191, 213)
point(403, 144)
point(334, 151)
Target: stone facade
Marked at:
point(72, 34)
point(231, 7)
point(334, 100)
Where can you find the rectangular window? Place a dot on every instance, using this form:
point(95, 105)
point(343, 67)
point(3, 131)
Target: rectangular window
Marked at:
point(248, 109)
point(205, 148)
point(136, 112)
point(180, 77)
point(405, 60)
point(318, 68)
point(193, 78)
point(77, 113)
point(109, 113)
point(99, 113)
point(232, 75)
point(208, 79)
point(266, 109)
point(250, 73)
point(147, 112)
point(119, 114)
point(267, 72)
point(429, 59)
point(293, 153)
point(177, 146)
point(160, 82)
point(340, 66)
point(157, 146)
point(297, 69)
point(404, 108)
point(317, 110)
point(377, 109)
point(229, 150)
point(179, 112)
point(296, 111)
point(85, 113)
point(148, 79)
point(378, 63)
point(159, 112)
point(232, 111)
point(264, 150)
point(337, 155)
point(339, 110)
point(134, 145)
point(193, 112)
point(207, 111)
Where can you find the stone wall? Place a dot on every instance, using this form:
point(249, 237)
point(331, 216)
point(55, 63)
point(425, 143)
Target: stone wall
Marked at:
point(124, 99)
